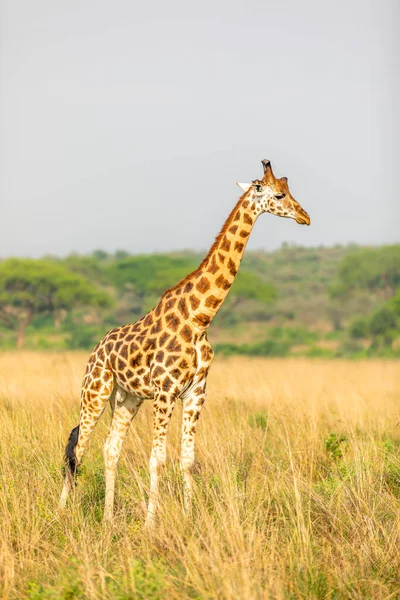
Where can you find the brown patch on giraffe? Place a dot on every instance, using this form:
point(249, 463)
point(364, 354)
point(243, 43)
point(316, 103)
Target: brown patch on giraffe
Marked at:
point(175, 373)
point(121, 364)
point(188, 287)
point(149, 358)
point(212, 301)
point(140, 338)
point(96, 385)
point(122, 377)
point(232, 267)
point(159, 356)
point(163, 338)
point(124, 351)
point(199, 392)
point(135, 383)
point(245, 204)
point(171, 359)
point(253, 206)
point(136, 361)
point(194, 302)
point(148, 320)
point(109, 347)
point(174, 345)
point(202, 372)
point(113, 359)
point(162, 398)
point(118, 345)
point(237, 216)
point(206, 352)
point(167, 383)
point(146, 379)
point(101, 354)
point(226, 244)
point(158, 371)
point(222, 283)
point(247, 219)
point(239, 246)
point(203, 285)
point(150, 344)
point(213, 268)
point(233, 229)
point(244, 234)
point(202, 319)
point(113, 337)
point(107, 375)
point(186, 333)
point(170, 304)
point(129, 374)
point(129, 337)
point(141, 371)
point(183, 309)
point(221, 257)
point(96, 372)
point(172, 321)
point(133, 348)
point(183, 364)
point(157, 310)
point(156, 327)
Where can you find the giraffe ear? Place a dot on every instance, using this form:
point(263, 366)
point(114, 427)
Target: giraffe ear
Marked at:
point(244, 186)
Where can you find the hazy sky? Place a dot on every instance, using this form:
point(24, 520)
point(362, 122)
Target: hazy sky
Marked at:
point(124, 125)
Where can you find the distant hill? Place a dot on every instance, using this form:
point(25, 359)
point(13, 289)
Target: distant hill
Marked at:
point(295, 300)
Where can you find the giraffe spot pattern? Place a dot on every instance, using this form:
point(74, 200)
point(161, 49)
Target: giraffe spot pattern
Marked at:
point(186, 333)
point(172, 321)
point(183, 309)
point(239, 246)
point(194, 302)
point(203, 285)
point(212, 301)
point(226, 244)
point(213, 268)
point(222, 283)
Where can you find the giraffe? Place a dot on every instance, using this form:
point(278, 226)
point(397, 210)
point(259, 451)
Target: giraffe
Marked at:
point(165, 356)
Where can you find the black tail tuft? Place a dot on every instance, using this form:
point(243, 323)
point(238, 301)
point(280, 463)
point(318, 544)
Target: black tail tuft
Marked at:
point(70, 458)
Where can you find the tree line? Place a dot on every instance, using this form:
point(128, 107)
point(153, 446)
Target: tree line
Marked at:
point(320, 301)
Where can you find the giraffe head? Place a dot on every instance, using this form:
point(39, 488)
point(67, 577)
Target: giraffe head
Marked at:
point(273, 196)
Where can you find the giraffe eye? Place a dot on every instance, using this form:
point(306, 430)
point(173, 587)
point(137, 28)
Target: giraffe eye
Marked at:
point(258, 188)
point(279, 196)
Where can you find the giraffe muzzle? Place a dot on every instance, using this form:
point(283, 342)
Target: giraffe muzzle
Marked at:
point(302, 217)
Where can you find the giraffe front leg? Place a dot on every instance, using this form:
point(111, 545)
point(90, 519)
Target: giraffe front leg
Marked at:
point(163, 408)
point(191, 413)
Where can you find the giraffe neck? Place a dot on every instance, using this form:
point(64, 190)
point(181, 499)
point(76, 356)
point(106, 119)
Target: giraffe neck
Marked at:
point(206, 288)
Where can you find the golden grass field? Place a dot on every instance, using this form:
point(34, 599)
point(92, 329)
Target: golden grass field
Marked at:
point(298, 495)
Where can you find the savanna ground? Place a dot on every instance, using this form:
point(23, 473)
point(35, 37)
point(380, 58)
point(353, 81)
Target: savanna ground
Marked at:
point(298, 495)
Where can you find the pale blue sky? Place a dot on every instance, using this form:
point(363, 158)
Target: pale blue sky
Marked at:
point(125, 125)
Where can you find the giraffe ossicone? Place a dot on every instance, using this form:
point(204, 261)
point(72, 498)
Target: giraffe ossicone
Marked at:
point(165, 356)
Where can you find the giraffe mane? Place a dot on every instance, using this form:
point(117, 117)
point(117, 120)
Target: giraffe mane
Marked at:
point(211, 250)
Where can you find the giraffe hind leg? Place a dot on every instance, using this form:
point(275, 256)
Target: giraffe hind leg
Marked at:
point(125, 408)
point(94, 400)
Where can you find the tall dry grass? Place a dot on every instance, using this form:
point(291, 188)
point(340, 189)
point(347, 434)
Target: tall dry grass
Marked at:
point(298, 495)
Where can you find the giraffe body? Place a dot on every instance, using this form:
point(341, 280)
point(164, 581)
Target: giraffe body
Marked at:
point(165, 356)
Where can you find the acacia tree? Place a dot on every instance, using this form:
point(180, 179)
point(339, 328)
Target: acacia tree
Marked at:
point(30, 287)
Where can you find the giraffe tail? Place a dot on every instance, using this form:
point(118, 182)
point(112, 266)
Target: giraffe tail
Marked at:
point(70, 456)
